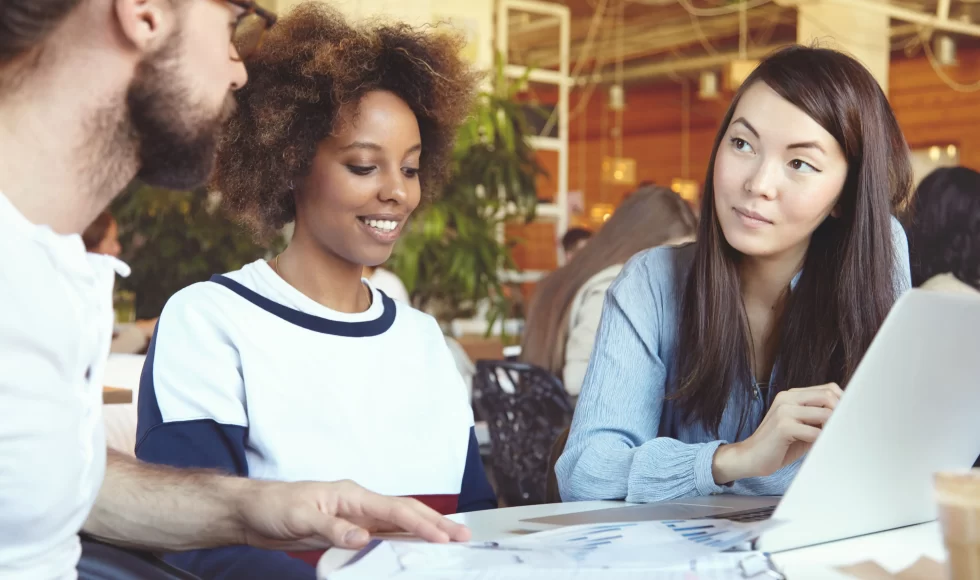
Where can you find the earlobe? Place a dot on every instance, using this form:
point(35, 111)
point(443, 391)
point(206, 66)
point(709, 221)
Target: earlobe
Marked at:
point(143, 22)
point(835, 213)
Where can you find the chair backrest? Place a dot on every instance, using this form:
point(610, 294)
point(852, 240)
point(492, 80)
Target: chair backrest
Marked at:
point(552, 495)
point(526, 408)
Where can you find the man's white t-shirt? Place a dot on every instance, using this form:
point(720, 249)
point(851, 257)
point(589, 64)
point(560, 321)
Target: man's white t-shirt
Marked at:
point(55, 331)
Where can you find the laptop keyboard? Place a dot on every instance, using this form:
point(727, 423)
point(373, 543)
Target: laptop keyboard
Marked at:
point(756, 515)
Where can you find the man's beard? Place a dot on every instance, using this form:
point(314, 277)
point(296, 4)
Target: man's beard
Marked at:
point(175, 135)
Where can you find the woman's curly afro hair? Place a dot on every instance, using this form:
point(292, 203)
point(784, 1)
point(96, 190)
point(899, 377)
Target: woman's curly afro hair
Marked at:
point(312, 63)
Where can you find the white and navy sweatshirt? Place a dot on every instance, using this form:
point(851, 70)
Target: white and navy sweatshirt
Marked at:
point(248, 375)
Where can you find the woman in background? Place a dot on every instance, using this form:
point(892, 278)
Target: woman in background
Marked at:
point(389, 283)
point(717, 364)
point(944, 233)
point(102, 237)
point(564, 316)
point(573, 241)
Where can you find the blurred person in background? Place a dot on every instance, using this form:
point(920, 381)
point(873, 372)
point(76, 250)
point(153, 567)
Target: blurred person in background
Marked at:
point(574, 240)
point(388, 282)
point(102, 237)
point(564, 314)
point(944, 230)
point(298, 368)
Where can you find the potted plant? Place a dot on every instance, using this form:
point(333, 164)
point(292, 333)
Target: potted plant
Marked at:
point(452, 255)
point(172, 239)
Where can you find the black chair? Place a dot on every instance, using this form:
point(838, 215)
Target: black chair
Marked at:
point(526, 408)
point(101, 561)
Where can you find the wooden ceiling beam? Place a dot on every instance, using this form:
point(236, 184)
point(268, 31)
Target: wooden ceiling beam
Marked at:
point(683, 65)
point(651, 36)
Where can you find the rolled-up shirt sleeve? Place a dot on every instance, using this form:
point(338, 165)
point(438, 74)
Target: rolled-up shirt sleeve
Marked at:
point(613, 450)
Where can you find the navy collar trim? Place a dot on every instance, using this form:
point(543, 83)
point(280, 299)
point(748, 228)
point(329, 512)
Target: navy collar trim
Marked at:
point(315, 323)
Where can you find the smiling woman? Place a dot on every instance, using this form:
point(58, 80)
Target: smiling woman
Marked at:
point(717, 364)
point(273, 371)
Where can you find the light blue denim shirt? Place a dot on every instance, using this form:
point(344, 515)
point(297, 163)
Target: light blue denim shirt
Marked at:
point(626, 441)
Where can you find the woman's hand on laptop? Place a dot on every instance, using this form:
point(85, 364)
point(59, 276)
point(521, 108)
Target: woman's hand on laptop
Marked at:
point(786, 433)
point(313, 515)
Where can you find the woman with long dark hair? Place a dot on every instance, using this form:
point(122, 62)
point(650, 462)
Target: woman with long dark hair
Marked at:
point(717, 364)
point(564, 315)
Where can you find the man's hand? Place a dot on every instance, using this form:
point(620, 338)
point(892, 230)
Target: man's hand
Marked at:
point(160, 508)
point(310, 515)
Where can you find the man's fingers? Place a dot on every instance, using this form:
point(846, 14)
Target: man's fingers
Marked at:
point(407, 514)
point(377, 526)
point(392, 514)
point(456, 532)
point(341, 533)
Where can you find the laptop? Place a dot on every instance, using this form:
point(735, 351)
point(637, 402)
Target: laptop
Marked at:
point(911, 409)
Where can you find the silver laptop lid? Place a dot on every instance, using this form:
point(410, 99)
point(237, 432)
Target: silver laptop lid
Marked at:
point(911, 409)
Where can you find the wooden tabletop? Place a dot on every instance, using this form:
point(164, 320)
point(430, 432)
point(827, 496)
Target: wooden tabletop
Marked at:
point(116, 396)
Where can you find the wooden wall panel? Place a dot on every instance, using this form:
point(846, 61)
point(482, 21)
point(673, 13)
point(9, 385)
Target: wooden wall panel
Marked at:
point(652, 136)
point(537, 245)
point(649, 109)
point(932, 113)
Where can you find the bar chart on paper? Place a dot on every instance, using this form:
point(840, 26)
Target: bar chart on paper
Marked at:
point(638, 544)
point(676, 550)
point(593, 537)
point(714, 534)
point(709, 535)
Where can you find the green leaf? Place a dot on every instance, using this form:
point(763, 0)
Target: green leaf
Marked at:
point(451, 257)
point(171, 241)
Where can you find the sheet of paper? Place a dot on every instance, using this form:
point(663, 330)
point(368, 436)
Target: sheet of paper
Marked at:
point(643, 544)
point(383, 564)
point(679, 549)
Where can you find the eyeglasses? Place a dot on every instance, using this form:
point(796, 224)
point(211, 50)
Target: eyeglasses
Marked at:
point(249, 28)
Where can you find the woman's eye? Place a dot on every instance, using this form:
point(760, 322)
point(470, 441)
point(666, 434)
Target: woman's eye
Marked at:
point(740, 144)
point(360, 169)
point(411, 172)
point(803, 166)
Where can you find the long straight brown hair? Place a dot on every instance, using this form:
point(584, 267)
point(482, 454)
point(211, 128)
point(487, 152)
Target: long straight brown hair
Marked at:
point(649, 217)
point(846, 287)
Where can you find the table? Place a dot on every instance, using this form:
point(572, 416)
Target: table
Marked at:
point(894, 549)
point(123, 371)
point(116, 396)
